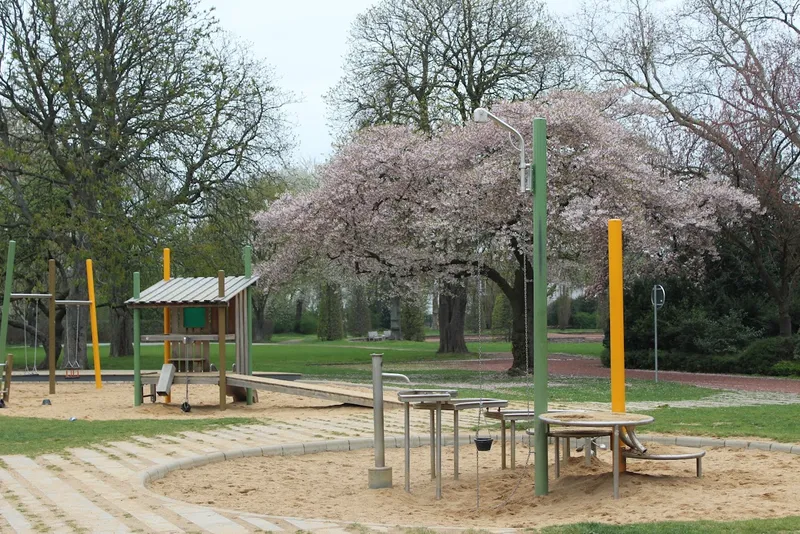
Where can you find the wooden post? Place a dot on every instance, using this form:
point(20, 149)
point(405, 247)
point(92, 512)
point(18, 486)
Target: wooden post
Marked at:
point(248, 319)
point(51, 357)
point(167, 344)
point(223, 330)
point(137, 346)
point(9, 375)
point(9, 285)
point(98, 377)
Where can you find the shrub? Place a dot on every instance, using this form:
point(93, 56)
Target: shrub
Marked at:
point(786, 368)
point(761, 355)
point(583, 320)
point(308, 324)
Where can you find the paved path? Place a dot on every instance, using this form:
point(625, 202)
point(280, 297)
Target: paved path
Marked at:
point(569, 365)
point(98, 488)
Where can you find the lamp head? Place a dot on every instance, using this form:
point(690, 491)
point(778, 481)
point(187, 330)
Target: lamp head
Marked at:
point(480, 115)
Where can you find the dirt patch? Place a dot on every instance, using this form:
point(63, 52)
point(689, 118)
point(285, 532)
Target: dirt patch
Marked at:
point(115, 401)
point(737, 484)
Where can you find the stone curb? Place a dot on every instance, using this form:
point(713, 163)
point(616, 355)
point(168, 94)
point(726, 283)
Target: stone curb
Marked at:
point(338, 445)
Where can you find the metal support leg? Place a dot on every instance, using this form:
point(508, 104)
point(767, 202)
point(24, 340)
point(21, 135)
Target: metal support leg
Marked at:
point(558, 456)
point(616, 462)
point(455, 444)
point(438, 450)
point(513, 444)
point(503, 442)
point(407, 445)
point(699, 468)
point(433, 445)
point(566, 451)
point(587, 448)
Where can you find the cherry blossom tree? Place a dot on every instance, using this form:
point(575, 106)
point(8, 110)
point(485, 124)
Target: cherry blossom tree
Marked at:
point(397, 203)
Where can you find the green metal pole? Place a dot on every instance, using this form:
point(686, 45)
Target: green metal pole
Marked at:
point(248, 271)
point(137, 346)
point(539, 169)
point(12, 247)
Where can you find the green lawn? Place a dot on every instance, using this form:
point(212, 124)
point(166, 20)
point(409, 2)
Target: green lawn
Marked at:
point(766, 422)
point(586, 390)
point(32, 436)
point(769, 422)
point(311, 356)
point(752, 526)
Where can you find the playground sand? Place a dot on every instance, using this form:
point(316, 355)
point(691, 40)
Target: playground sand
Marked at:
point(737, 484)
point(115, 402)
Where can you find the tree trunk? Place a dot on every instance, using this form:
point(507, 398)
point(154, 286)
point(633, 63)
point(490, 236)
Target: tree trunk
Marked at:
point(435, 314)
point(784, 319)
point(120, 323)
point(394, 319)
point(298, 314)
point(452, 311)
point(262, 325)
point(523, 360)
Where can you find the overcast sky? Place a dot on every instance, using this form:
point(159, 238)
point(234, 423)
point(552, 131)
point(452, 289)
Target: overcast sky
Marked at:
point(304, 41)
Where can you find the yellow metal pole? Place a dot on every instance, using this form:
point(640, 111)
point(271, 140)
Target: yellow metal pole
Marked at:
point(616, 315)
point(167, 347)
point(223, 330)
point(98, 378)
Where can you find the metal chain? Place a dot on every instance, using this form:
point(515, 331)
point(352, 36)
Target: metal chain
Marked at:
point(35, 338)
point(25, 331)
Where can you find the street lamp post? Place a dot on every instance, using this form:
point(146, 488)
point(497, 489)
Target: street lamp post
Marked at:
point(539, 190)
point(484, 115)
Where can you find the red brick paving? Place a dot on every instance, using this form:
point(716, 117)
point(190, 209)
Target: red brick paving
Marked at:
point(568, 365)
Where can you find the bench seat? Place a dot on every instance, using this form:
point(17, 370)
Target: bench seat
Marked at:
point(668, 456)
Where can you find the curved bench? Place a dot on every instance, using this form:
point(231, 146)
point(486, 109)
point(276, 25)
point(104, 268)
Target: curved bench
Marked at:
point(649, 455)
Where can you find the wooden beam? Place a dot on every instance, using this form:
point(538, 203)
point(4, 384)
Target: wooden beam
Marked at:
point(223, 319)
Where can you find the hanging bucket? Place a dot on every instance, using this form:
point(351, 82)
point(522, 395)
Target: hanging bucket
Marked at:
point(483, 444)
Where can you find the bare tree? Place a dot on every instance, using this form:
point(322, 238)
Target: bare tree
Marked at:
point(724, 72)
point(423, 62)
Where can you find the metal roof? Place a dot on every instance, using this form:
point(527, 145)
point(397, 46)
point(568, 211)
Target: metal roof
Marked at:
point(192, 291)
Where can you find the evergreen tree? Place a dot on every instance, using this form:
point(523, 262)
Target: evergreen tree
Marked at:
point(412, 321)
point(502, 317)
point(331, 325)
point(359, 317)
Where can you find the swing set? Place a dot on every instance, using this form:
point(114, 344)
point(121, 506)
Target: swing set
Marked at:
point(71, 365)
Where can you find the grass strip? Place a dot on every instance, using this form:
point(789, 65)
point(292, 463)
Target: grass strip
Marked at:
point(750, 526)
point(32, 437)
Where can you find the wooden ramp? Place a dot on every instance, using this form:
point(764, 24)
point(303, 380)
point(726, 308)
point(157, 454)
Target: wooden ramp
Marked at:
point(359, 397)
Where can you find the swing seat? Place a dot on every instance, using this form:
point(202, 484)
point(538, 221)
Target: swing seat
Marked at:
point(72, 373)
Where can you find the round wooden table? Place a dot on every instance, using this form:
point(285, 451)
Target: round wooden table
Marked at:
point(613, 420)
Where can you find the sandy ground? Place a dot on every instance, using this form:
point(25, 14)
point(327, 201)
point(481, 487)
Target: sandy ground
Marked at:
point(737, 484)
point(115, 402)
